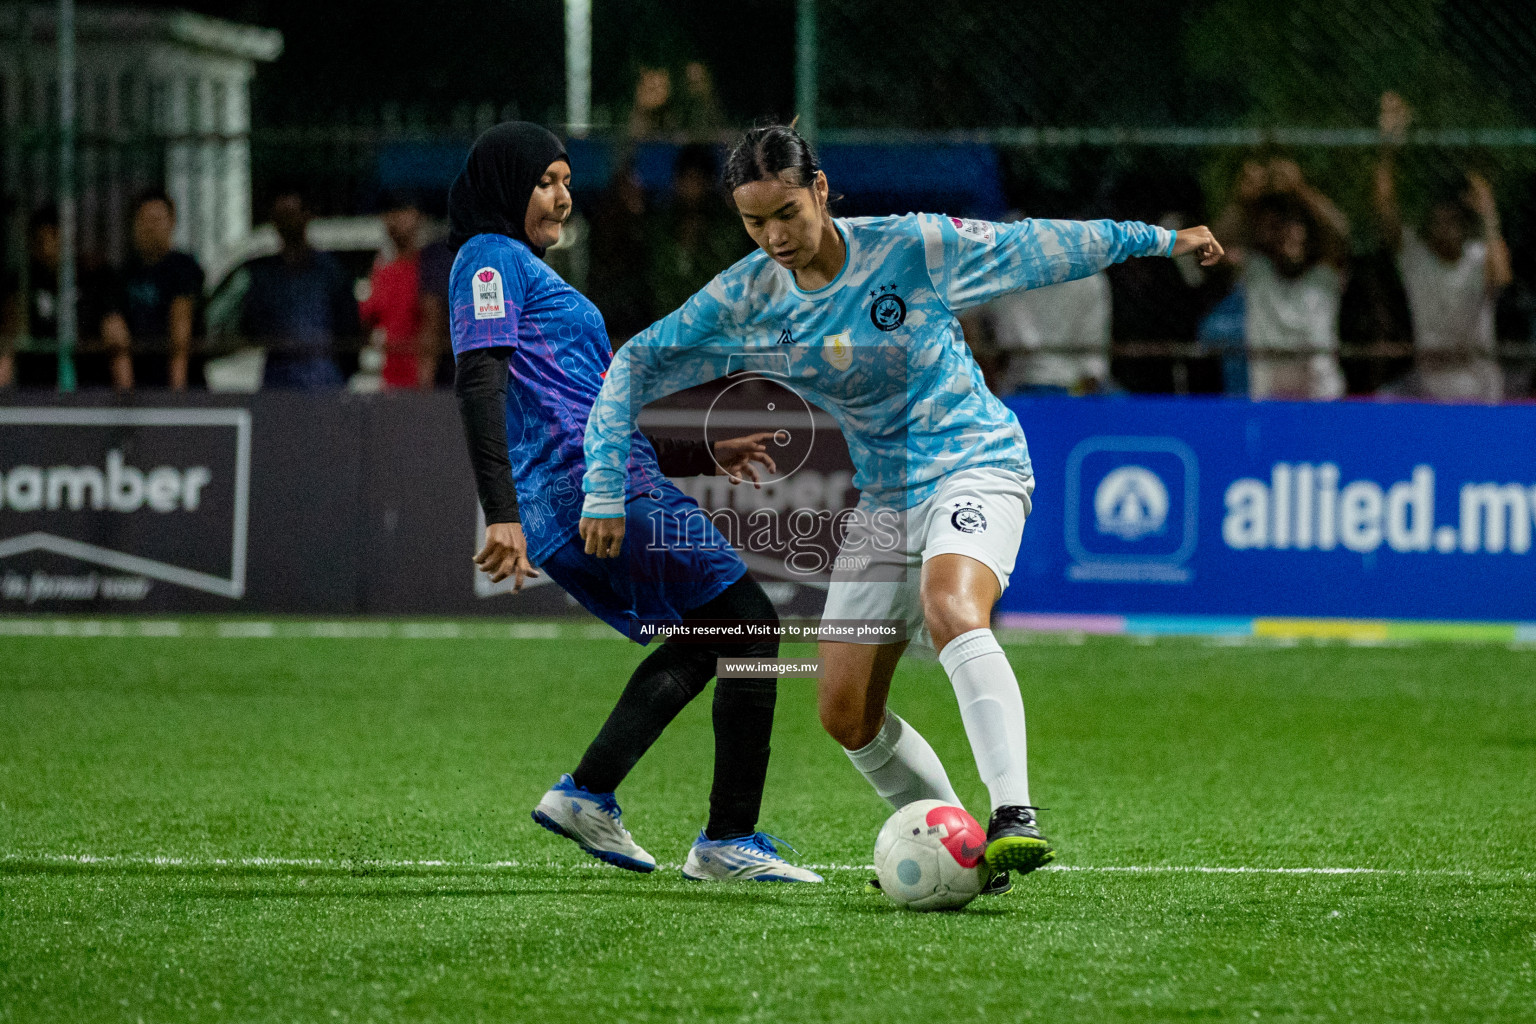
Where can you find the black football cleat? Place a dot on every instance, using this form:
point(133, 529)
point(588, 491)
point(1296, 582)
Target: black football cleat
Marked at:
point(1014, 842)
point(998, 885)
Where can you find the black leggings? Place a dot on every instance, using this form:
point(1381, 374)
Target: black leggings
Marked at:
point(670, 677)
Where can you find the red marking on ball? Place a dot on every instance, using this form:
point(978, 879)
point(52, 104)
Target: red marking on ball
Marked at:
point(967, 840)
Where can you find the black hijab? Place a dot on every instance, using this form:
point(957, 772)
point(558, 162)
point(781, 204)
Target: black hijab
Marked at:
point(491, 193)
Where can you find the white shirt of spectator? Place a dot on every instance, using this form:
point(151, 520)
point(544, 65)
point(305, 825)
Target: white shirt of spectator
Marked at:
point(1056, 336)
point(1452, 314)
point(1292, 330)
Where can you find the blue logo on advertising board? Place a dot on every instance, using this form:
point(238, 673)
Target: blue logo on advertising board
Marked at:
point(1131, 509)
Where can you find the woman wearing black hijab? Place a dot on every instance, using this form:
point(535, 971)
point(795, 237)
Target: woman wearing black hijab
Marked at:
point(531, 353)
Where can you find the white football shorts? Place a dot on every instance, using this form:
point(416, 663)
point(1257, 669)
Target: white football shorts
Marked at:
point(878, 573)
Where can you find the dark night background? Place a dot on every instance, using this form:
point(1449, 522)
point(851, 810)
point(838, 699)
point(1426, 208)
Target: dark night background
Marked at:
point(345, 54)
point(914, 64)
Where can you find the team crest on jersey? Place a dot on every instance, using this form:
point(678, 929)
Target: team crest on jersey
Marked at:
point(976, 230)
point(488, 300)
point(889, 311)
point(967, 518)
point(838, 348)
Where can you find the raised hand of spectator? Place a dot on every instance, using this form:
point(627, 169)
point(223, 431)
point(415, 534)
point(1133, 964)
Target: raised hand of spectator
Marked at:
point(1285, 175)
point(1394, 118)
point(1252, 181)
point(1235, 223)
point(1479, 198)
point(1497, 271)
point(1393, 122)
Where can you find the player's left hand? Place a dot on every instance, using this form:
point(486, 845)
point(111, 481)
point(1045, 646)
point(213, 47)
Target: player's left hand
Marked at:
point(739, 457)
point(603, 537)
point(1201, 242)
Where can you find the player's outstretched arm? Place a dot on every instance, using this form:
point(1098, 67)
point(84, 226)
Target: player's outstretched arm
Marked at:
point(972, 262)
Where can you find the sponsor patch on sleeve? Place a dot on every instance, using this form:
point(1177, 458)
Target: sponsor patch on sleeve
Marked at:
point(488, 300)
point(976, 230)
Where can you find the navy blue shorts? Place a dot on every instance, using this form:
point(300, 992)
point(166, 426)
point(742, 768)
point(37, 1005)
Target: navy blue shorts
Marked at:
point(672, 561)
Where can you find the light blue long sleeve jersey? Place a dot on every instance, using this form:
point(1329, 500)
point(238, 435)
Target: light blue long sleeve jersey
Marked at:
point(878, 348)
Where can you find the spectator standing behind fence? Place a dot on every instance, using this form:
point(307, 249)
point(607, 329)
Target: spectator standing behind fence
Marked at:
point(433, 271)
point(1295, 243)
point(299, 305)
point(1159, 303)
point(161, 290)
point(694, 236)
point(394, 299)
point(29, 323)
point(1452, 279)
point(619, 263)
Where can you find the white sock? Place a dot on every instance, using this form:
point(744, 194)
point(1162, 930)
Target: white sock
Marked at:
point(993, 713)
point(901, 765)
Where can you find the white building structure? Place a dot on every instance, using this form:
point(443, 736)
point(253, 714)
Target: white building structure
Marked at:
point(163, 101)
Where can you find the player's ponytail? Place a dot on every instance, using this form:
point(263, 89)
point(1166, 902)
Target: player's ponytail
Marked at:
point(769, 151)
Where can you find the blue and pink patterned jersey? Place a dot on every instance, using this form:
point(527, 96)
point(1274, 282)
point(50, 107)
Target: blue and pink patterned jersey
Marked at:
point(503, 296)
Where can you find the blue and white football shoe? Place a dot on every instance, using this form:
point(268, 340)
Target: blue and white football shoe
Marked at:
point(593, 822)
point(753, 858)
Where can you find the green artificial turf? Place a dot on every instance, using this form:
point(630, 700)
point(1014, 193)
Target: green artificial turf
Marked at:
point(367, 758)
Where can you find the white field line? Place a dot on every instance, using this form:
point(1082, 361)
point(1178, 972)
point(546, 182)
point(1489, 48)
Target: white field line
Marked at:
point(471, 867)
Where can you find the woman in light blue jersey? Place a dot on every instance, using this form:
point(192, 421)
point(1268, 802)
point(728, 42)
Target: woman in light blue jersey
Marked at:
point(858, 316)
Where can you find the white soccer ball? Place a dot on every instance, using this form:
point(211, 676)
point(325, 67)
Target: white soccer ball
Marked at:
point(928, 856)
